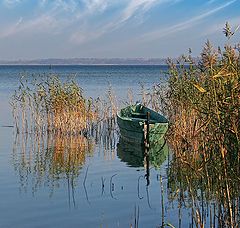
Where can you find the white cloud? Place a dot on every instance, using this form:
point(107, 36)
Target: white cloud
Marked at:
point(96, 5)
point(68, 6)
point(81, 37)
point(73, 6)
point(42, 3)
point(77, 16)
point(19, 22)
point(42, 24)
point(211, 1)
point(139, 6)
point(11, 3)
point(11, 30)
point(46, 19)
point(183, 25)
point(132, 8)
point(74, 15)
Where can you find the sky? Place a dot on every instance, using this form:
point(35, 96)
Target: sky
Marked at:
point(35, 29)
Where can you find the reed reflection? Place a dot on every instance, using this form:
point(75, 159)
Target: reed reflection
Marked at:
point(46, 160)
point(210, 189)
point(135, 155)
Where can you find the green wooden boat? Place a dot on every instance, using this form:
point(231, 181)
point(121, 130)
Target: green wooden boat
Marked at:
point(131, 121)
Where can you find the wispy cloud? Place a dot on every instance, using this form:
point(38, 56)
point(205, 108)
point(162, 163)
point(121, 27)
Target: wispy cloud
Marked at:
point(11, 29)
point(19, 22)
point(139, 7)
point(99, 24)
point(41, 24)
point(11, 3)
point(211, 1)
point(183, 25)
point(74, 15)
point(47, 19)
point(134, 7)
point(96, 5)
point(79, 7)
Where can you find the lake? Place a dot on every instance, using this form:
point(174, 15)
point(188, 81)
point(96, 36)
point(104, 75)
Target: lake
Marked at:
point(79, 181)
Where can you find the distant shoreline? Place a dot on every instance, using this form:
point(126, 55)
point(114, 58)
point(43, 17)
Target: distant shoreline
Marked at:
point(91, 62)
point(44, 64)
point(88, 61)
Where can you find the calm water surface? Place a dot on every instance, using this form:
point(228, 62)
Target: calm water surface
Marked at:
point(79, 182)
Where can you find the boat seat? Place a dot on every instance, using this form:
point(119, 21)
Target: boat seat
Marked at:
point(143, 120)
point(138, 115)
point(138, 119)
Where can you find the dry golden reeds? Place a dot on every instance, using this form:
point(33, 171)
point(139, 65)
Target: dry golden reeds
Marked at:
point(202, 104)
point(49, 105)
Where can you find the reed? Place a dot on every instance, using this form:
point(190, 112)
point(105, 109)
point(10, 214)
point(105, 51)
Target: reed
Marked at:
point(57, 127)
point(202, 103)
point(50, 105)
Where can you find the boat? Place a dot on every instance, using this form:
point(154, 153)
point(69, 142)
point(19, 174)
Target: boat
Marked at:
point(132, 121)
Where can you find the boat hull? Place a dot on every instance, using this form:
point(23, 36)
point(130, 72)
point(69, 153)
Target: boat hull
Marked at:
point(132, 129)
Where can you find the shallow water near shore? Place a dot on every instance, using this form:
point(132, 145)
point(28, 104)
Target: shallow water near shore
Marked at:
point(78, 181)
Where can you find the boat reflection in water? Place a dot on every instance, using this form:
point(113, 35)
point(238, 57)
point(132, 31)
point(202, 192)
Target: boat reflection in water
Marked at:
point(136, 155)
point(129, 153)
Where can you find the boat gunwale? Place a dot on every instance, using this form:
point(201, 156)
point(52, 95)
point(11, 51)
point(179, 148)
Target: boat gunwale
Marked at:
point(134, 119)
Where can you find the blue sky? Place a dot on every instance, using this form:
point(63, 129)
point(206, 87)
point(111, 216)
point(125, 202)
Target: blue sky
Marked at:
point(31, 29)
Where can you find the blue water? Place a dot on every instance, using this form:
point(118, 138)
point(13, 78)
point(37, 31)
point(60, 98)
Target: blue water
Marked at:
point(93, 79)
point(37, 190)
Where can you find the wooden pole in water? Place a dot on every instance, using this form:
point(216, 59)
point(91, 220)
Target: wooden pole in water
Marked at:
point(146, 147)
point(146, 140)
